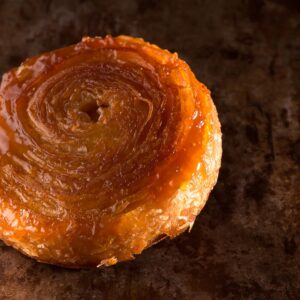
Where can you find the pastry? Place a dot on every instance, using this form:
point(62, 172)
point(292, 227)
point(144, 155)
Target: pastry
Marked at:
point(106, 147)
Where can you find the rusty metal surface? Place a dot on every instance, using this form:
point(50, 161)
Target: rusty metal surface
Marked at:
point(245, 244)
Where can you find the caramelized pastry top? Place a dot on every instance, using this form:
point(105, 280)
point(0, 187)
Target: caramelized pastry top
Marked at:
point(104, 146)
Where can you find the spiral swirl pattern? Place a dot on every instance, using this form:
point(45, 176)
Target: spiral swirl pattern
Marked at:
point(106, 146)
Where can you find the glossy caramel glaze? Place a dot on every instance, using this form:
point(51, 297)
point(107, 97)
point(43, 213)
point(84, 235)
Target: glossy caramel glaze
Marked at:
point(106, 147)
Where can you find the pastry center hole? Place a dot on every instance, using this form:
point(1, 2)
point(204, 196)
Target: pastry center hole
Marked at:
point(93, 110)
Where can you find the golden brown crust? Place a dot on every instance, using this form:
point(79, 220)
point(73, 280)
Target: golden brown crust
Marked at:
point(106, 146)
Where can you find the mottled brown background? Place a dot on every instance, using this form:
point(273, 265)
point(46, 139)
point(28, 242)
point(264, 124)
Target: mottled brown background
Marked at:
point(245, 244)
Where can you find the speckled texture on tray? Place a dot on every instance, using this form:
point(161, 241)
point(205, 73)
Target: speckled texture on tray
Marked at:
point(245, 243)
